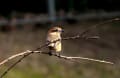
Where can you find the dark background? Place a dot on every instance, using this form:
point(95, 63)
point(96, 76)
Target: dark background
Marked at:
point(41, 6)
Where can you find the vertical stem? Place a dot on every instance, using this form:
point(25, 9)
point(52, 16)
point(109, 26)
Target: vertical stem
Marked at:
point(51, 10)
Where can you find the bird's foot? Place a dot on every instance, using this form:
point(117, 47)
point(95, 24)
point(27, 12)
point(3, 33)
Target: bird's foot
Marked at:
point(50, 53)
point(58, 54)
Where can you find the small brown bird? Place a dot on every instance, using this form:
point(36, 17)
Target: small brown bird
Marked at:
point(54, 34)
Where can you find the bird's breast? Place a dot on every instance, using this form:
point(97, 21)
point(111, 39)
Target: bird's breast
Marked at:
point(58, 46)
point(53, 37)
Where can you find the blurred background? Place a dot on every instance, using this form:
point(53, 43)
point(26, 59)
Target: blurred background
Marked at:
point(24, 24)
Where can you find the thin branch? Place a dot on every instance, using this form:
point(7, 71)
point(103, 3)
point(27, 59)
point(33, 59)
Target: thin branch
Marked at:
point(89, 59)
point(82, 35)
point(12, 57)
point(8, 69)
point(28, 52)
point(95, 26)
point(24, 54)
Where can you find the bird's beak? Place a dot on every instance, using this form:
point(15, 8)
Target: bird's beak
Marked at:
point(62, 31)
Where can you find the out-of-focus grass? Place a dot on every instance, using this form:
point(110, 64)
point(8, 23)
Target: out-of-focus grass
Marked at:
point(21, 73)
point(58, 71)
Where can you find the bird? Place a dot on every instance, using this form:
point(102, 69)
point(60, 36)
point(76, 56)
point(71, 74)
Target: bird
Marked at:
point(54, 34)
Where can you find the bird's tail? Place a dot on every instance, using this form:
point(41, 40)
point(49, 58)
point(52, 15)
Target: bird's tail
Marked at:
point(50, 50)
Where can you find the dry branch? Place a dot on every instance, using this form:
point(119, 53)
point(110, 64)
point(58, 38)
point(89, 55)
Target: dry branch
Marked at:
point(65, 57)
point(28, 52)
point(12, 57)
point(89, 59)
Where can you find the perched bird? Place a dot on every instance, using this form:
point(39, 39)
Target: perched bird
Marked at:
point(54, 34)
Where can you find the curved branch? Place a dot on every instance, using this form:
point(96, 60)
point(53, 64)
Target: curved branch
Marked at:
point(12, 57)
point(89, 59)
point(28, 52)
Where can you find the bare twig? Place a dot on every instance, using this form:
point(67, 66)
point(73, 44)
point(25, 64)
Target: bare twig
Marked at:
point(82, 35)
point(89, 59)
point(6, 71)
point(102, 23)
point(16, 55)
point(28, 52)
point(12, 57)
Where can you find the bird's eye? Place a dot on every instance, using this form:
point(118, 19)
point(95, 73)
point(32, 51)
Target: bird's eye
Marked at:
point(54, 30)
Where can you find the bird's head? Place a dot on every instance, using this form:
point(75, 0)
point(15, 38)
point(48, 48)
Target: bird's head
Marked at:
point(56, 30)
